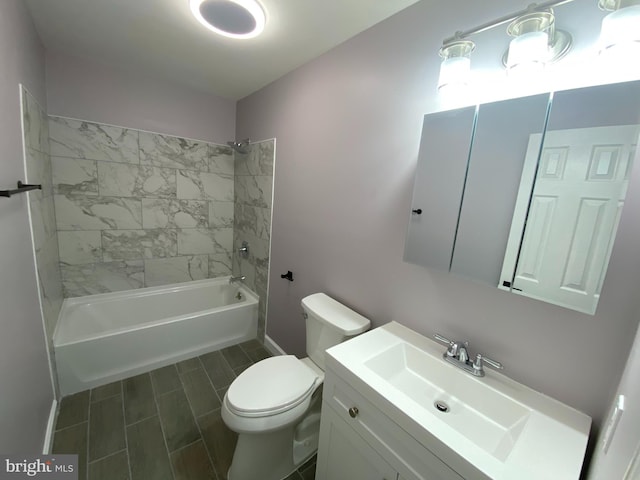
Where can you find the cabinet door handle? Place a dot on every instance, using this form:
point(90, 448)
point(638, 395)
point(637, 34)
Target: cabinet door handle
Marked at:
point(353, 412)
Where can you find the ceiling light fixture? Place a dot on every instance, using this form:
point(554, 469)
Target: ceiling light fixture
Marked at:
point(240, 19)
point(620, 33)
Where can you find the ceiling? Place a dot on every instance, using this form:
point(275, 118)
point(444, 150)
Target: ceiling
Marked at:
point(161, 37)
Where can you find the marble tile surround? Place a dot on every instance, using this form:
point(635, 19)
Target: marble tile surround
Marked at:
point(253, 192)
point(42, 212)
point(123, 209)
point(136, 209)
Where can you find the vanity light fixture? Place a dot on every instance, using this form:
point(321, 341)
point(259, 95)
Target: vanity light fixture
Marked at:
point(620, 33)
point(536, 43)
point(455, 70)
point(239, 19)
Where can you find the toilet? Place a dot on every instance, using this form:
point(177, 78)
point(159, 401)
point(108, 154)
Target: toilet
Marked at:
point(274, 405)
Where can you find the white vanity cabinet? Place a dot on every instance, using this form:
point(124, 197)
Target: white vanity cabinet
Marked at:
point(347, 454)
point(394, 409)
point(358, 441)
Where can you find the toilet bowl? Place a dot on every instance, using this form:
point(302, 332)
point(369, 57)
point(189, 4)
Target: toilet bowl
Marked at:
point(274, 405)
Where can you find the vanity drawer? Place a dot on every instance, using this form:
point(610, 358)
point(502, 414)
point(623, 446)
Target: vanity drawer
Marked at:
point(412, 460)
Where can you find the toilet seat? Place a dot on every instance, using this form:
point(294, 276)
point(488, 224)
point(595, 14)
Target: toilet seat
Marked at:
point(271, 386)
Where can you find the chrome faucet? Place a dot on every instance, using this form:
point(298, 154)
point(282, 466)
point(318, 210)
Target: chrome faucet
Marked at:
point(458, 351)
point(237, 279)
point(458, 355)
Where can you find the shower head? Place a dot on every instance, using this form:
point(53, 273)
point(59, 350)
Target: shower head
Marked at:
point(243, 146)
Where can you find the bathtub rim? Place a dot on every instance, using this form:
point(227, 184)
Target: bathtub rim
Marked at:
point(251, 298)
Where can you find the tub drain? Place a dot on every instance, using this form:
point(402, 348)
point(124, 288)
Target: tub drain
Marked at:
point(441, 406)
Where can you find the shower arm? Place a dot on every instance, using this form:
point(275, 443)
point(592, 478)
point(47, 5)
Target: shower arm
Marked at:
point(240, 147)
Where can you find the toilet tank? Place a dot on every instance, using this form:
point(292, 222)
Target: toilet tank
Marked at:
point(329, 323)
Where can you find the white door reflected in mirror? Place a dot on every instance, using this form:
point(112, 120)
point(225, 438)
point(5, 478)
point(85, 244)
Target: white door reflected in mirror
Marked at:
point(572, 215)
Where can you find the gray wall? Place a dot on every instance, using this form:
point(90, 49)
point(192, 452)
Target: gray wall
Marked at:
point(348, 128)
point(25, 383)
point(616, 462)
point(84, 89)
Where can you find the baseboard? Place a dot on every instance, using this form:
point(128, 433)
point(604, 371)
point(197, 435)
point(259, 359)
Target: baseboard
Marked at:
point(51, 423)
point(272, 346)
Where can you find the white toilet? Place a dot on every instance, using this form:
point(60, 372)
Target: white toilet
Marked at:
point(274, 405)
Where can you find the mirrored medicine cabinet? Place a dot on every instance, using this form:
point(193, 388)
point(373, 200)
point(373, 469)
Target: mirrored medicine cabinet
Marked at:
point(526, 194)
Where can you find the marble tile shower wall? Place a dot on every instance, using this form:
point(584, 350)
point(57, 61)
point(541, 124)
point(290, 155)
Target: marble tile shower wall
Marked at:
point(252, 220)
point(43, 219)
point(136, 209)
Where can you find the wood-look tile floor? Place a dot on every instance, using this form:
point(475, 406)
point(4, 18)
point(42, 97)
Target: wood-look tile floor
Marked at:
point(162, 425)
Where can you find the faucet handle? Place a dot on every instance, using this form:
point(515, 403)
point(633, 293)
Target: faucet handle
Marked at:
point(478, 365)
point(454, 347)
point(444, 340)
point(451, 350)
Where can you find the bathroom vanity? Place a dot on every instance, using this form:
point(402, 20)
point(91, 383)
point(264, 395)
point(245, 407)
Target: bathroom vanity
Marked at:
point(393, 409)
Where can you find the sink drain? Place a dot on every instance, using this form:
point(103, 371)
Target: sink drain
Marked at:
point(441, 406)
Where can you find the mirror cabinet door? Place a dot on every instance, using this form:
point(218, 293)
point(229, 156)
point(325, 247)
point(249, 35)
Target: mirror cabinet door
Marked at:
point(532, 210)
point(439, 183)
point(581, 180)
point(500, 144)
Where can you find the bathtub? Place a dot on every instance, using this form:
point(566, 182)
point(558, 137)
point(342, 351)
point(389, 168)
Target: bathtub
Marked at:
point(107, 337)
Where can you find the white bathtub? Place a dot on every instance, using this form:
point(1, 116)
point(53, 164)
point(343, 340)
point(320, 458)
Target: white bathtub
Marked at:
point(107, 337)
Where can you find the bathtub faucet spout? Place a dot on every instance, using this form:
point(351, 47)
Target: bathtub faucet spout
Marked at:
point(237, 279)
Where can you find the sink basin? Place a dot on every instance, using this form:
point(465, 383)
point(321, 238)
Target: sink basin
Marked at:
point(489, 427)
point(490, 419)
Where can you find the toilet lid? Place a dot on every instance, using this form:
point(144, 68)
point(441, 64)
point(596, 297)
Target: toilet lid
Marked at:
point(271, 386)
